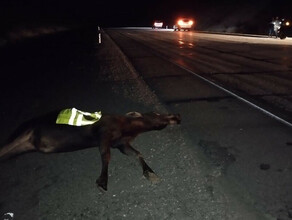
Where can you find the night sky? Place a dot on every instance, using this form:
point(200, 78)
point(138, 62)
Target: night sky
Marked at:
point(225, 15)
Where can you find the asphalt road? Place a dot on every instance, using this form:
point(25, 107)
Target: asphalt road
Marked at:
point(257, 68)
point(227, 160)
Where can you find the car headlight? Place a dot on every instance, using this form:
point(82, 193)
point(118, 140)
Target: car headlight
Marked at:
point(180, 22)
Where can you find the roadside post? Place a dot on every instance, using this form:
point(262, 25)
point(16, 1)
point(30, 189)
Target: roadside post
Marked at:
point(99, 35)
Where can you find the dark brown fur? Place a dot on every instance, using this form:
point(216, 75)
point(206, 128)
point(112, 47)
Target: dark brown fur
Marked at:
point(111, 131)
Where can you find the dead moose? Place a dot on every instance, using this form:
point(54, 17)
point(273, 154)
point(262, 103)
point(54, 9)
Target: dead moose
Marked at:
point(43, 134)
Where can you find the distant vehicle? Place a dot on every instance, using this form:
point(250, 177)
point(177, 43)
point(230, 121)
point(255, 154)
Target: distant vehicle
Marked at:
point(157, 24)
point(185, 24)
point(285, 29)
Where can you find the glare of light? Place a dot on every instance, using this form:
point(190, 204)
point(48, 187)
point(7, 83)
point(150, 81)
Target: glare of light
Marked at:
point(287, 23)
point(180, 22)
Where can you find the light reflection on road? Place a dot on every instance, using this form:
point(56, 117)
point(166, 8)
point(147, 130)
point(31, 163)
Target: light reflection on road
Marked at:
point(243, 38)
point(186, 39)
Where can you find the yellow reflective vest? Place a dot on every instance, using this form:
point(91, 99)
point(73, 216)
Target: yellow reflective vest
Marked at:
point(75, 117)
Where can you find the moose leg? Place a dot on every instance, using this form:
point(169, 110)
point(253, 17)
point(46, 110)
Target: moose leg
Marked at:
point(147, 171)
point(105, 158)
point(20, 145)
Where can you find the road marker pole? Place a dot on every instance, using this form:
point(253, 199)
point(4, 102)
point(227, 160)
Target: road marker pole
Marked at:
point(99, 35)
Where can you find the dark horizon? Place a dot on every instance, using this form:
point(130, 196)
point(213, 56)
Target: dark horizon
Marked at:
point(209, 15)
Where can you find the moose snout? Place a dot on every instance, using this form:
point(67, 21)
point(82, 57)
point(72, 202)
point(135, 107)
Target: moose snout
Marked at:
point(174, 118)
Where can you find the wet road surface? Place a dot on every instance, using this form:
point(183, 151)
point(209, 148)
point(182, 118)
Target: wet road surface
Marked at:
point(257, 68)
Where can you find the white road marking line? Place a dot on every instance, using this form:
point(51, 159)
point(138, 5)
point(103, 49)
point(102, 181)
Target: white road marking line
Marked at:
point(237, 96)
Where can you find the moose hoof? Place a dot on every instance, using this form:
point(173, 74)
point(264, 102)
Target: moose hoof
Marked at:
point(102, 186)
point(152, 177)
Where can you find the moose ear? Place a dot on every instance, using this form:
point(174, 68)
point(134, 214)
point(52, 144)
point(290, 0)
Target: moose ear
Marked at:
point(134, 114)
